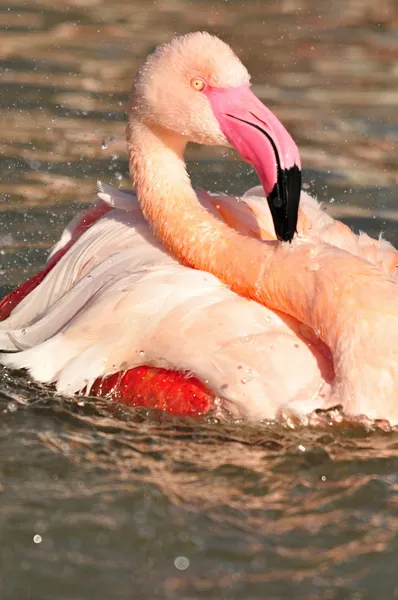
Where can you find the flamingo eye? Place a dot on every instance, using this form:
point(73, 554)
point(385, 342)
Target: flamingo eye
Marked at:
point(198, 84)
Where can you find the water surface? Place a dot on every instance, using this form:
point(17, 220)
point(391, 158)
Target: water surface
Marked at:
point(98, 501)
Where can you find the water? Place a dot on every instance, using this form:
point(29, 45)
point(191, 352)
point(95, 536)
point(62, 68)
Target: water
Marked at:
point(98, 501)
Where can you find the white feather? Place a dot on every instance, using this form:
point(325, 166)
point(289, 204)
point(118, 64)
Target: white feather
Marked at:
point(116, 198)
point(117, 300)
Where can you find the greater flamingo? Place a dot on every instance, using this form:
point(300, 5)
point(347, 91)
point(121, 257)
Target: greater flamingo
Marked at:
point(170, 297)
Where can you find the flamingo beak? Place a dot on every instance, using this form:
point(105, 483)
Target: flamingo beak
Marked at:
point(261, 139)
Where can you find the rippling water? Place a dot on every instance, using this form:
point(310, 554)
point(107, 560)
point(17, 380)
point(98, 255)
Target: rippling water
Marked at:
point(98, 501)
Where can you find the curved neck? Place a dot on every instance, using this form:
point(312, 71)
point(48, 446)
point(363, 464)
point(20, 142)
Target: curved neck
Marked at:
point(298, 279)
point(191, 233)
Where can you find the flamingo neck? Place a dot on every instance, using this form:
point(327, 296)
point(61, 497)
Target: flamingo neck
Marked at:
point(170, 205)
point(307, 280)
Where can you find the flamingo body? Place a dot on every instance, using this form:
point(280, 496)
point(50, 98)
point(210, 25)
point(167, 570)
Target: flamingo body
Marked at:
point(114, 301)
point(175, 297)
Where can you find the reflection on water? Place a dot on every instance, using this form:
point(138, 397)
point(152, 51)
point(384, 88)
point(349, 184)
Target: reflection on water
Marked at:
point(118, 504)
point(102, 502)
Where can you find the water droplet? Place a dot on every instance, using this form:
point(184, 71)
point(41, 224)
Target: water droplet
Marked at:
point(104, 145)
point(181, 563)
point(314, 267)
point(37, 539)
point(118, 176)
point(301, 448)
point(141, 353)
point(332, 200)
point(248, 378)
point(277, 202)
point(12, 407)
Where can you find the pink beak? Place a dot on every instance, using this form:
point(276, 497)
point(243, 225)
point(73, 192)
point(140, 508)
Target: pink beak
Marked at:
point(262, 140)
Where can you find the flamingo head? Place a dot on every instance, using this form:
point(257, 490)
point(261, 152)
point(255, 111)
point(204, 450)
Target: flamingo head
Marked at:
point(197, 87)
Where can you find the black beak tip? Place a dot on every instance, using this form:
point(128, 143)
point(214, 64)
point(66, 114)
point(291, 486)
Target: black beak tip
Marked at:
point(285, 236)
point(284, 202)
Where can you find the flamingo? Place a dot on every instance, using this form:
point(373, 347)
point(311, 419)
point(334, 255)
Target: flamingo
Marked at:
point(181, 299)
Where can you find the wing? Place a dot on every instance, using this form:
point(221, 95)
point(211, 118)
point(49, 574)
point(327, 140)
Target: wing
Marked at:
point(117, 300)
